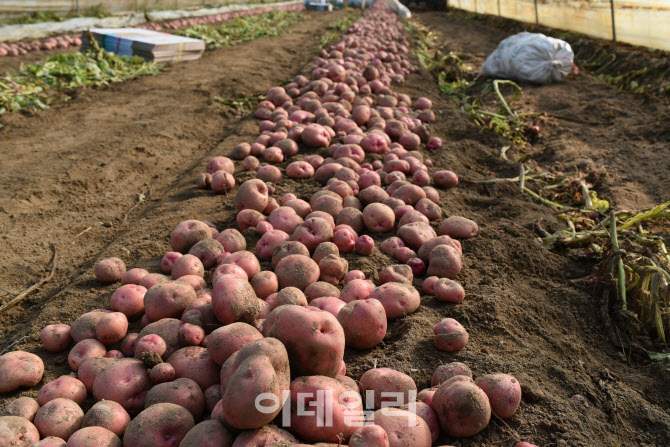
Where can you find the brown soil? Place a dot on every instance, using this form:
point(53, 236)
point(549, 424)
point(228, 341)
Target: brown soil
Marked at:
point(529, 312)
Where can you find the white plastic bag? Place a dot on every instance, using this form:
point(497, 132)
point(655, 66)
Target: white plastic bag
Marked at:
point(399, 8)
point(530, 57)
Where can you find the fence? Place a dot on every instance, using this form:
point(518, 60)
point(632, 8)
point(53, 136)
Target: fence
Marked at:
point(11, 8)
point(639, 22)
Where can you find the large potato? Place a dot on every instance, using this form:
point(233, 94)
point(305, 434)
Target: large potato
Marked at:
point(16, 431)
point(208, 434)
point(194, 362)
point(398, 299)
point(227, 340)
point(234, 299)
point(107, 414)
point(160, 425)
point(503, 391)
point(65, 386)
point(388, 388)
point(404, 429)
point(19, 369)
point(124, 381)
point(168, 300)
point(184, 392)
point(297, 271)
point(364, 323)
point(314, 339)
point(463, 408)
point(24, 407)
point(59, 417)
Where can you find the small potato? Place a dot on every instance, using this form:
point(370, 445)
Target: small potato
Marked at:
point(353, 274)
point(390, 245)
point(195, 281)
point(150, 343)
point(194, 362)
point(111, 328)
point(207, 251)
point(325, 249)
point(312, 232)
point(83, 350)
point(168, 299)
point(225, 341)
point(16, 431)
point(208, 434)
point(233, 299)
point(288, 248)
point(84, 326)
point(448, 291)
point(503, 391)
point(332, 268)
point(246, 260)
point(59, 417)
point(267, 243)
point(187, 265)
point(462, 407)
point(289, 295)
point(369, 436)
point(110, 270)
point(444, 262)
point(445, 179)
point(222, 182)
point(152, 279)
point(161, 373)
point(168, 261)
point(129, 300)
point(363, 322)
point(90, 368)
point(159, 425)
point(425, 412)
point(365, 245)
point(168, 330)
point(183, 392)
point(285, 219)
point(125, 382)
point(297, 271)
point(415, 234)
point(232, 240)
point(24, 407)
point(458, 227)
point(329, 304)
point(356, 289)
point(396, 273)
point(398, 299)
point(56, 337)
point(428, 246)
point(404, 429)
point(109, 415)
point(445, 372)
point(252, 194)
point(187, 234)
point(191, 335)
point(94, 437)
point(300, 170)
point(265, 283)
point(321, 289)
point(133, 276)
point(450, 335)
point(220, 164)
point(378, 218)
point(66, 387)
point(388, 387)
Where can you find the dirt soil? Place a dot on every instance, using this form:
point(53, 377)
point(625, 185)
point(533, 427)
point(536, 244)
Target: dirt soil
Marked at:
point(71, 177)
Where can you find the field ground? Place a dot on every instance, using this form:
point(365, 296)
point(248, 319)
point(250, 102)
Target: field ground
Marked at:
point(71, 176)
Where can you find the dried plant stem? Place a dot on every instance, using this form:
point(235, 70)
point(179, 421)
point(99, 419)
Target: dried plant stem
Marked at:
point(621, 273)
point(18, 298)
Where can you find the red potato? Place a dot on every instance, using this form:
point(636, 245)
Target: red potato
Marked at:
point(168, 299)
point(269, 173)
point(462, 407)
point(228, 269)
point(315, 135)
point(129, 300)
point(332, 268)
point(265, 283)
point(285, 219)
point(233, 299)
point(50, 441)
point(329, 304)
point(428, 246)
point(357, 289)
point(458, 227)
point(378, 218)
point(227, 340)
point(208, 434)
point(268, 435)
point(183, 392)
point(187, 265)
point(194, 362)
point(160, 425)
point(56, 337)
point(168, 330)
point(312, 232)
point(268, 242)
point(222, 182)
point(220, 164)
point(288, 248)
point(246, 260)
point(325, 249)
point(212, 396)
point(288, 295)
point(109, 415)
point(152, 279)
point(24, 407)
point(204, 180)
point(328, 204)
point(302, 208)
point(84, 326)
point(373, 194)
point(448, 291)
point(396, 273)
point(428, 285)
point(363, 322)
point(446, 179)
point(390, 245)
point(59, 417)
point(503, 391)
point(425, 412)
point(353, 274)
point(415, 234)
point(124, 381)
point(150, 343)
point(195, 281)
point(232, 240)
point(524, 444)
point(297, 271)
point(109, 270)
point(410, 216)
point(365, 245)
point(240, 151)
point(168, 261)
point(187, 234)
point(352, 217)
point(83, 350)
point(429, 209)
point(251, 163)
point(66, 387)
point(324, 395)
point(252, 194)
point(16, 431)
point(253, 381)
point(404, 429)
point(345, 239)
point(161, 373)
point(94, 437)
point(314, 339)
point(398, 299)
point(445, 372)
point(90, 368)
point(207, 251)
point(450, 335)
point(321, 289)
point(387, 388)
point(300, 170)
point(111, 328)
point(445, 262)
point(191, 335)
point(369, 436)
point(133, 276)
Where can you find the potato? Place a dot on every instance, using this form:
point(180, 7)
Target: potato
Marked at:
point(208, 434)
point(425, 412)
point(253, 381)
point(297, 271)
point(448, 291)
point(444, 262)
point(168, 330)
point(356, 289)
point(194, 362)
point(462, 407)
point(246, 260)
point(369, 436)
point(268, 242)
point(387, 387)
point(404, 429)
point(167, 263)
point(56, 337)
point(124, 381)
point(390, 245)
point(150, 343)
point(345, 239)
point(59, 417)
point(168, 300)
point(183, 391)
point(16, 431)
point(445, 372)
point(398, 299)
point(253, 195)
point(450, 335)
point(363, 322)
point(109, 415)
point(312, 232)
point(458, 227)
point(83, 350)
point(111, 328)
point(50, 441)
point(288, 295)
point(24, 407)
point(226, 340)
point(524, 444)
point(207, 251)
point(321, 289)
point(188, 265)
point(329, 304)
point(89, 369)
point(324, 249)
point(162, 372)
point(445, 179)
point(302, 208)
point(187, 234)
point(220, 164)
point(415, 234)
point(378, 218)
point(129, 300)
point(285, 219)
point(152, 279)
point(332, 268)
point(344, 411)
point(109, 270)
point(365, 245)
point(191, 335)
point(66, 387)
point(503, 391)
point(158, 426)
point(233, 299)
point(84, 326)
point(314, 339)
point(428, 285)
point(94, 437)
point(396, 273)
point(268, 435)
point(428, 246)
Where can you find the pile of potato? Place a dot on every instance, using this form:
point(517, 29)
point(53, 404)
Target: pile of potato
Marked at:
point(254, 357)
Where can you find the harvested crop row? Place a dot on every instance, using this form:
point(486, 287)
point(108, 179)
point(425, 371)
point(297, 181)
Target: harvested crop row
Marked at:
point(244, 338)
